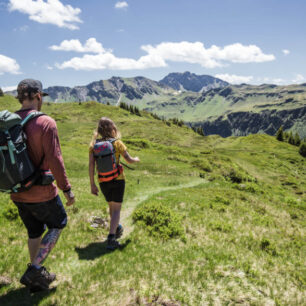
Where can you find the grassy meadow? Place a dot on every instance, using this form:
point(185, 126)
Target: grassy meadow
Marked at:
point(208, 221)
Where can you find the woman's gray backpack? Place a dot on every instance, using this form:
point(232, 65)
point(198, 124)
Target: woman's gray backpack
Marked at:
point(108, 167)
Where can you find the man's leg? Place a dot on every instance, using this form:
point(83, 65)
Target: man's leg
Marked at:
point(47, 244)
point(33, 245)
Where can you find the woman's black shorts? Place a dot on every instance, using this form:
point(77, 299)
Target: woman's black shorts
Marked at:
point(113, 191)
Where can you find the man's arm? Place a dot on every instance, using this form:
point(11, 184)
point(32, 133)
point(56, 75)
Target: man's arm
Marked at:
point(53, 155)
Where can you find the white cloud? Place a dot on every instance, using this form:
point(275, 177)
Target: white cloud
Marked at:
point(91, 46)
point(278, 81)
point(51, 11)
point(238, 53)
point(9, 88)
point(8, 65)
point(49, 67)
point(286, 52)
point(234, 79)
point(271, 80)
point(159, 55)
point(299, 79)
point(121, 5)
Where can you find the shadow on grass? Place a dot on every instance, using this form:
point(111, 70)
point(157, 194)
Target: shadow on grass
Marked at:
point(97, 249)
point(22, 296)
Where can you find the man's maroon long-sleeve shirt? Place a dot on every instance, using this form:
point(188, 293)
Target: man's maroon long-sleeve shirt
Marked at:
point(43, 143)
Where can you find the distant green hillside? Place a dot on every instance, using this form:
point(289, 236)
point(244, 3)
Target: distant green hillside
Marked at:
point(202, 101)
point(239, 110)
point(230, 215)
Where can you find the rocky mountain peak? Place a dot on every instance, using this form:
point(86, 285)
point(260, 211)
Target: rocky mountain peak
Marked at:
point(191, 82)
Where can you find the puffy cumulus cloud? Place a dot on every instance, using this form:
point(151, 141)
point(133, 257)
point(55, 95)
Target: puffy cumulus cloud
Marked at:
point(8, 65)
point(91, 46)
point(238, 53)
point(234, 79)
point(286, 52)
point(159, 55)
point(299, 78)
point(121, 5)
point(51, 11)
point(109, 61)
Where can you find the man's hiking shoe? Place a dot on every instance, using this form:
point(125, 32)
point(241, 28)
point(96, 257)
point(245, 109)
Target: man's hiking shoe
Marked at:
point(119, 231)
point(37, 279)
point(112, 243)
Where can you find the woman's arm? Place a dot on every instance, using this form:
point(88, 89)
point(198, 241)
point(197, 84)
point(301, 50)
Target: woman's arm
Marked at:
point(94, 188)
point(130, 159)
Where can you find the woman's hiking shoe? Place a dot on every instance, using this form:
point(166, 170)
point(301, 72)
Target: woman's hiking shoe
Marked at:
point(119, 231)
point(37, 279)
point(112, 243)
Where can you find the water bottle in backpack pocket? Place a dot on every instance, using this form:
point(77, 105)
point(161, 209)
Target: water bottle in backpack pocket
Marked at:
point(108, 168)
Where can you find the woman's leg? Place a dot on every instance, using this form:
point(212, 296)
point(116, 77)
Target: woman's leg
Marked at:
point(114, 208)
point(110, 209)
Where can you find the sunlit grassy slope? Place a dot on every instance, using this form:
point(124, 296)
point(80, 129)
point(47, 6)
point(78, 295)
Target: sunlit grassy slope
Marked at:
point(209, 105)
point(241, 201)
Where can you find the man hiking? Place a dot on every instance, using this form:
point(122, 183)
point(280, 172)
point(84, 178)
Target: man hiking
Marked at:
point(40, 206)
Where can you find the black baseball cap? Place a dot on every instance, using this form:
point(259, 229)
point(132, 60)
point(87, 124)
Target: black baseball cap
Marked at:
point(30, 86)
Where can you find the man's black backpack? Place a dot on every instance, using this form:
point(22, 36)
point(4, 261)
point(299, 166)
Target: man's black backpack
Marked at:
point(17, 172)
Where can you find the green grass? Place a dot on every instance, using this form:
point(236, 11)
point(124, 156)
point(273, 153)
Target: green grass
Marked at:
point(240, 201)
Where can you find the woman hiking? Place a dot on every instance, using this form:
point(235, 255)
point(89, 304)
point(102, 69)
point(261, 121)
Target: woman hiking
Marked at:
point(104, 154)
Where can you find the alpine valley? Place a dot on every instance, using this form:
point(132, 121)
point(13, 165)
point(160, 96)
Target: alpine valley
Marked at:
point(201, 101)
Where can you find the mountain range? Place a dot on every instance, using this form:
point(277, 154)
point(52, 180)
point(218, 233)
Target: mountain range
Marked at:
point(201, 100)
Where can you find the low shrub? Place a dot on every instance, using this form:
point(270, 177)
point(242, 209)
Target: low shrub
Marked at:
point(249, 187)
point(177, 158)
point(139, 143)
point(159, 220)
point(202, 164)
point(237, 175)
point(220, 226)
point(268, 247)
point(10, 212)
point(222, 200)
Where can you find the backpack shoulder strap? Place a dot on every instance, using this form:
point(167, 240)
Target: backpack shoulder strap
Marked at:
point(31, 116)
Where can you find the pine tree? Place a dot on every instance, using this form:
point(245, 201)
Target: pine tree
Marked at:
point(1, 93)
point(280, 134)
point(291, 139)
point(137, 112)
point(302, 149)
point(200, 131)
point(297, 139)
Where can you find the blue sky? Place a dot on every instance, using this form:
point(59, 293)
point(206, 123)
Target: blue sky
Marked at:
point(74, 42)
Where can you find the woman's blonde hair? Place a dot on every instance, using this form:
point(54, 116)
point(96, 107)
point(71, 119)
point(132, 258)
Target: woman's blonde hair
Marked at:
point(106, 130)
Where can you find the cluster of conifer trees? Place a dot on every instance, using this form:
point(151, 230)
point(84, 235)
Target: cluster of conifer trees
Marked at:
point(199, 130)
point(131, 108)
point(292, 139)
